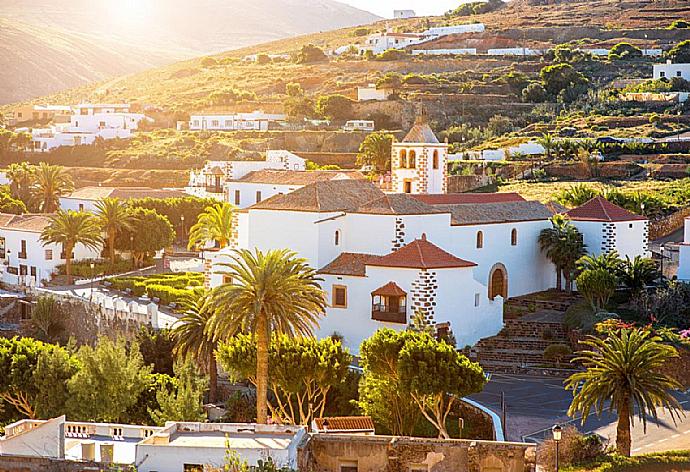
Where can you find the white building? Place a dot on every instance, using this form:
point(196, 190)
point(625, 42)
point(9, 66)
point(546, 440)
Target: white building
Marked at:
point(254, 121)
point(259, 185)
point(403, 14)
point(670, 70)
point(444, 52)
point(439, 31)
point(176, 447)
point(85, 198)
point(684, 254)
point(101, 108)
point(210, 181)
point(517, 51)
point(607, 227)
point(359, 125)
point(419, 163)
point(26, 261)
point(371, 92)
point(380, 42)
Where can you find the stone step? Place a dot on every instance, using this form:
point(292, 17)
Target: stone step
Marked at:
point(500, 342)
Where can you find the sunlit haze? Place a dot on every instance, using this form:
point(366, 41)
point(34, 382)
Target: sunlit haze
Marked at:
point(385, 8)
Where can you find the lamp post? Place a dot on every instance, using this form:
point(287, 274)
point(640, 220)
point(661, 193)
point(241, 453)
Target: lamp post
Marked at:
point(557, 430)
point(93, 266)
point(131, 250)
point(182, 220)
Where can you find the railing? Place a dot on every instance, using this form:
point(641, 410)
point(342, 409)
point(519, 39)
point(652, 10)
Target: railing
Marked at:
point(389, 314)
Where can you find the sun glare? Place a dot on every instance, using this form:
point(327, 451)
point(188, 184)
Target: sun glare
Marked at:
point(130, 11)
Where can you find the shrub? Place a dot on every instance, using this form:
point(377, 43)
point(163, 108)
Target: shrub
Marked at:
point(101, 267)
point(334, 107)
point(208, 62)
point(557, 353)
point(679, 24)
point(310, 54)
point(597, 286)
point(681, 52)
point(359, 32)
point(624, 51)
point(534, 93)
point(263, 59)
point(574, 449)
point(559, 77)
point(392, 55)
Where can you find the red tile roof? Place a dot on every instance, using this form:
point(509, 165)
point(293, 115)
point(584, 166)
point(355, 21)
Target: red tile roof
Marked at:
point(468, 198)
point(420, 254)
point(600, 209)
point(348, 263)
point(346, 423)
point(391, 289)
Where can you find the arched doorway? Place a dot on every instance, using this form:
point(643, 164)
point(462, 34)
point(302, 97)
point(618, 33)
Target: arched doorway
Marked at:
point(498, 281)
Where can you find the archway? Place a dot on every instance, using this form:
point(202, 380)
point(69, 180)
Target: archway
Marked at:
point(498, 281)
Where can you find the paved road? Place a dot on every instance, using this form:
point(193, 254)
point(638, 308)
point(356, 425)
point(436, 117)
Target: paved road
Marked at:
point(535, 404)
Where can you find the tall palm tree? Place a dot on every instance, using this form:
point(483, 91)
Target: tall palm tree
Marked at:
point(625, 371)
point(272, 292)
point(564, 246)
point(113, 218)
point(375, 150)
point(192, 340)
point(21, 177)
point(70, 228)
point(215, 224)
point(51, 182)
point(548, 142)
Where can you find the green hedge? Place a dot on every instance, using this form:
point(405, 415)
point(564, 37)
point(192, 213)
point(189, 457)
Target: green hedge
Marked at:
point(169, 288)
point(101, 267)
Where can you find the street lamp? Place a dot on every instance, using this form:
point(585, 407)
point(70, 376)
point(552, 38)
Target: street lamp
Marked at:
point(93, 266)
point(557, 430)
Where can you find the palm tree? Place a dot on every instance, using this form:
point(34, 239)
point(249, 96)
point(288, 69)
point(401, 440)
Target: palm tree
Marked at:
point(192, 340)
point(113, 218)
point(70, 228)
point(21, 177)
point(51, 183)
point(215, 224)
point(624, 370)
point(564, 246)
point(548, 143)
point(272, 292)
point(375, 150)
point(637, 273)
point(610, 262)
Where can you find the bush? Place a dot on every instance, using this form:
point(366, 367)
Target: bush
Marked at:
point(359, 32)
point(208, 62)
point(597, 286)
point(101, 267)
point(681, 52)
point(334, 107)
point(168, 288)
point(624, 51)
point(310, 54)
point(557, 353)
point(574, 449)
point(679, 24)
point(534, 93)
point(391, 55)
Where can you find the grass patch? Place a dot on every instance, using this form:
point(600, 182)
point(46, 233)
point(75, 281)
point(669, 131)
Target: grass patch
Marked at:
point(169, 288)
point(664, 461)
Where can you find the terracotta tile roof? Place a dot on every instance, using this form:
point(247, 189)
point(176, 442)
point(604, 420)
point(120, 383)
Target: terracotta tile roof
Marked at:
point(488, 213)
point(348, 263)
point(34, 223)
point(123, 193)
point(420, 254)
point(346, 423)
point(600, 209)
point(325, 196)
point(397, 204)
point(555, 208)
point(297, 177)
point(391, 289)
point(421, 132)
point(468, 198)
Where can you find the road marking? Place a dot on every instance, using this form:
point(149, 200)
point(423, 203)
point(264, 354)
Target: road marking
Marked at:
point(662, 440)
point(675, 435)
point(686, 432)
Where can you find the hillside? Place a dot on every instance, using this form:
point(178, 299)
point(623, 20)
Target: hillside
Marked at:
point(185, 85)
point(44, 49)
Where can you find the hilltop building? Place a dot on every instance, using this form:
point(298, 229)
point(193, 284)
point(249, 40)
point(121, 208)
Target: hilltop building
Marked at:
point(256, 120)
point(404, 14)
point(386, 257)
point(670, 70)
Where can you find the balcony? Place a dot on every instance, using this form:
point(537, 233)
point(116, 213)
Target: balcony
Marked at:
point(389, 314)
point(214, 188)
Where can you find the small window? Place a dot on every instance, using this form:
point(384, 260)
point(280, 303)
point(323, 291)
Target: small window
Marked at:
point(476, 299)
point(237, 197)
point(411, 161)
point(679, 74)
point(513, 237)
point(101, 124)
point(228, 124)
point(403, 159)
point(81, 207)
point(337, 238)
point(435, 160)
point(227, 279)
point(662, 74)
point(214, 123)
point(33, 271)
point(348, 466)
point(22, 269)
point(630, 225)
point(480, 239)
point(407, 186)
point(339, 296)
point(22, 252)
point(49, 254)
point(258, 196)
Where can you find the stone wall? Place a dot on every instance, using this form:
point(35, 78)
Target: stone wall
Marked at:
point(41, 464)
point(467, 183)
point(326, 453)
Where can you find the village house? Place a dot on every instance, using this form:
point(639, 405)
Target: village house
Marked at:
point(27, 113)
point(85, 198)
point(452, 258)
point(210, 181)
point(26, 260)
point(371, 92)
point(670, 70)
point(380, 42)
point(684, 254)
point(404, 14)
point(254, 121)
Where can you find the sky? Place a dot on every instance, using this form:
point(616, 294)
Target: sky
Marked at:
point(385, 8)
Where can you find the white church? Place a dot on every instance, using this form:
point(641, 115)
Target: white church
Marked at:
point(454, 258)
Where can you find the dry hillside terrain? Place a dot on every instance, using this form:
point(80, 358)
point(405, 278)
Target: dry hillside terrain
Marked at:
point(48, 46)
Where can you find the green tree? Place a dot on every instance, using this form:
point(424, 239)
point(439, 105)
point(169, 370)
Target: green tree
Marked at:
point(625, 51)
point(637, 273)
point(563, 245)
point(193, 340)
point(534, 93)
point(33, 375)
point(9, 204)
point(548, 142)
point(185, 401)
point(624, 374)
point(215, 224)
point(310, 54)
point(437, 375)
point(297, 105)
point(334, 107)
point(303, 371)
point(149, 232)
point(558, 77)
point(113, 218)
point(391, 80)
point(109, 382)
point(610, 262)
point(680, 53)
point(272, 292)
point(69, 228)
point(47, 322)
point(597, 286)
point(375, 151)
point(21, 177)
point(156, 346)
point(51, 182)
